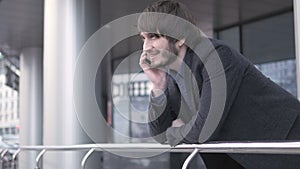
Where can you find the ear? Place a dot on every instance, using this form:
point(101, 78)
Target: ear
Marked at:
point(180, 43)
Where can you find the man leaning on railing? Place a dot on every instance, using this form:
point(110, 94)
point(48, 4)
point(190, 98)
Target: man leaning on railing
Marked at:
point(203, 90)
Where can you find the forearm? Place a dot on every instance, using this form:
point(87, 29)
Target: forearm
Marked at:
point(159, 88)
point(161, 113)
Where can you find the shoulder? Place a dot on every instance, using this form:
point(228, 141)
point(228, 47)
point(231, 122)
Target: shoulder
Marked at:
point(224, 49)
point(229, 55)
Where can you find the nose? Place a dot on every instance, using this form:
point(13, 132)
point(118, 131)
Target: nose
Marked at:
point(147, 45)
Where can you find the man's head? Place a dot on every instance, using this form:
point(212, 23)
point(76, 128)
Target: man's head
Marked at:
point(167, 27)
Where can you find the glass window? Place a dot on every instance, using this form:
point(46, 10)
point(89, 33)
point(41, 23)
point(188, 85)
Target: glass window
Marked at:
point(269, 43)
point(13, 130)
point(130, 100)
point(6, 130)
point(281, 72)
point(231, 37)
point(270, 39)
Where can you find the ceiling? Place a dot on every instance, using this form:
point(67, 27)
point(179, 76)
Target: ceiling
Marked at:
point(21, 21)
point(21, 25)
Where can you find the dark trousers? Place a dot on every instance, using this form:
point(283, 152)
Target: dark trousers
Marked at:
point(204, 161)
point(177, 160)
point(220, 161)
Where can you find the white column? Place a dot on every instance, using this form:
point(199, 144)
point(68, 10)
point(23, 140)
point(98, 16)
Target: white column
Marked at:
point(31, 103)
point(65, 26)
point(297, 42)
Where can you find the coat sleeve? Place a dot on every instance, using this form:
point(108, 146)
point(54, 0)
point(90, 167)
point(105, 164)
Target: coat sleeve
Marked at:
point(234, 67)
point(163, 110)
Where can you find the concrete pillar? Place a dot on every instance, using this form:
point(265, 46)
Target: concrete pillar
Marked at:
point(297, 42)
point(31, 103)
point(67, 24)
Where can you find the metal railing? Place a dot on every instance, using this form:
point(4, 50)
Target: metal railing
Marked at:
point(215, 147)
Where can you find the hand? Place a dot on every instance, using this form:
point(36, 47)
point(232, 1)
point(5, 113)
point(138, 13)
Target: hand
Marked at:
point(177, 123)
point(156, 75)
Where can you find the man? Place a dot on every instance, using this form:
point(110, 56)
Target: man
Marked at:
point(205, 91)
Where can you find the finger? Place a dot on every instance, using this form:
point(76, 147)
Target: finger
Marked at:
point(144, 60)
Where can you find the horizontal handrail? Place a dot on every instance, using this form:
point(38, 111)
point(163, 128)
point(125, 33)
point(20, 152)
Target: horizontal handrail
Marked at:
point(213, 147)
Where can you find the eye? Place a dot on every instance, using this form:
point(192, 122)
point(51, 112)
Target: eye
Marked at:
point(153, 35)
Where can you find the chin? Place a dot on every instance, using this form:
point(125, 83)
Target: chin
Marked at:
point(156, 66)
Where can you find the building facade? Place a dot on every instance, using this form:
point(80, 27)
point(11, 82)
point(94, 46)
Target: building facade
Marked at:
point(9, 108)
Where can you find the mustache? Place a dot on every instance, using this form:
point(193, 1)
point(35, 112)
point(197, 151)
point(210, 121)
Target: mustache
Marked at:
point(152, 51)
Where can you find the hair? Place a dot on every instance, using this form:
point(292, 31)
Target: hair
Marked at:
point(171, 19)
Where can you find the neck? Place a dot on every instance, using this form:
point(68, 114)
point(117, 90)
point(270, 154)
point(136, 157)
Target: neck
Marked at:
point(177, 63)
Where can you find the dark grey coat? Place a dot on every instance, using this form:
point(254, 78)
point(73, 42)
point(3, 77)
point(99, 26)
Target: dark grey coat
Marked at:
point(256, 109)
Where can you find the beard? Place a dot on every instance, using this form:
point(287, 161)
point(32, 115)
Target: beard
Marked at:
point(172, 53)
point(166, 56)
point(172, 49)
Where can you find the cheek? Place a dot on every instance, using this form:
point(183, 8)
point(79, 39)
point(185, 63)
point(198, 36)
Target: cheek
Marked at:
point(161, 44)
point(165, 55)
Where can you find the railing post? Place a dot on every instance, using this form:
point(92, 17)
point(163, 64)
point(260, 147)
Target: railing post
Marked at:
point(86, 156)
point(14, 158)
point(1, 161)
point(2, 157)
point(189, 158)
point(38, 158)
